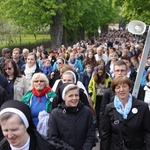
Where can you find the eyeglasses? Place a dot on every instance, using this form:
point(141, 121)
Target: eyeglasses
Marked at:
point(58, 63)
point(7, 69)
point(36, 81)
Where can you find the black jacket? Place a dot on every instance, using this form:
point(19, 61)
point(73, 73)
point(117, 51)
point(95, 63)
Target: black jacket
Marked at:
point(108, 97)
point(4, 84)
point(37, 142)
point(56, 76)
point(72, 127)
point(133, 75)
point(3, 98)
point(108, 66)
point(20, 64)
point(135, 129)
point(86, 79)
point(53, 60)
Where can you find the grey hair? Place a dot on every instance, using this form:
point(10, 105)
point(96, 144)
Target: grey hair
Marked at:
point(42, 76)
point(25, 50)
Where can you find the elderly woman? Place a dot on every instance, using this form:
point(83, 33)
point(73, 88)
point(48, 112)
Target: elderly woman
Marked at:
point(126, 120)
point(71, 123)
point(40, 96)
point(18, 129)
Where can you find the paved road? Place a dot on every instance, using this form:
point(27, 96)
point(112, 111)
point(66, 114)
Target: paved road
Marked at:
point(97, 147)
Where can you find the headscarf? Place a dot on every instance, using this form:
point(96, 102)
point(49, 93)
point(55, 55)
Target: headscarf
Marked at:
point(19, 108)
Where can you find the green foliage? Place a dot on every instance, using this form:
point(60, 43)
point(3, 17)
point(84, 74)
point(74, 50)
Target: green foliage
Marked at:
point(74, 15)
point(102, 13)
point(37, 13)
point(29, 13)
point(135, 9)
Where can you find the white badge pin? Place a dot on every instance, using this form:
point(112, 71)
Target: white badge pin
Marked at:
point(18, 89)
point(134, 110)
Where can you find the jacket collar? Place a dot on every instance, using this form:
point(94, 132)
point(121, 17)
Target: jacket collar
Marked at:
point(71, 109)
point(134, 110)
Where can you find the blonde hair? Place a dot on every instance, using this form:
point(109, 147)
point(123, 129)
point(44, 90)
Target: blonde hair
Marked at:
point(65, 67)
point(32, 54)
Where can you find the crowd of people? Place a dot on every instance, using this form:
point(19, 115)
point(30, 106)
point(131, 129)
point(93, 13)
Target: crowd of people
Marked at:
point(58, 99)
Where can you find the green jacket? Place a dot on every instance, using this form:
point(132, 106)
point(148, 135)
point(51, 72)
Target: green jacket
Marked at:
point(50, 95)
point(92, 88)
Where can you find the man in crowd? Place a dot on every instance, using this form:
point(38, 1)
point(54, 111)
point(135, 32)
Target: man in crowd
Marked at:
point(16, 58)
point(24, 55)
point(5, 55)
point(100, 55)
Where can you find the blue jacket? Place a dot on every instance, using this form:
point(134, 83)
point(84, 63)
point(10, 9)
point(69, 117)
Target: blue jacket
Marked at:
point(76, 64)
point(86, 79)
point(46, 70)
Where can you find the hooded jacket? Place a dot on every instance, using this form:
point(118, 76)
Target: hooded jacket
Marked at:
point(72, 127)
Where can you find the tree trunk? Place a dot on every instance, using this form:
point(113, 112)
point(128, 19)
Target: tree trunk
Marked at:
point(69, 37)
point(34, 36)
point(104, 29)
point(20, 38)
point(56, 32)
point(64, 40)
point(81, 33)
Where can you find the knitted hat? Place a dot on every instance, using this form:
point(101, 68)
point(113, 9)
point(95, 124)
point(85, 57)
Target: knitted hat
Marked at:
point(19, 108)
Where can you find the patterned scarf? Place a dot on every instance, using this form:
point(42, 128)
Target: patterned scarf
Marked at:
point(45, 91)
point(120, 108)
